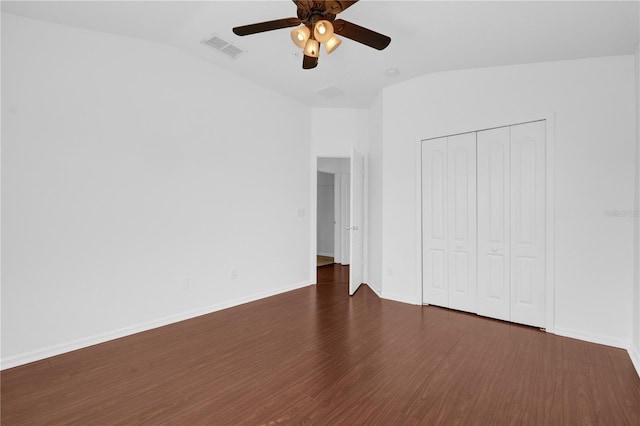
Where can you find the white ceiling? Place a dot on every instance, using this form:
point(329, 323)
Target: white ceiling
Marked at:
point(427, 37)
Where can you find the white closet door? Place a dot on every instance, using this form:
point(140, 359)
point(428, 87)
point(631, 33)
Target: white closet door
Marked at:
point(461, 220)
point(493, 223)
point(434, 202)
point(528, 224)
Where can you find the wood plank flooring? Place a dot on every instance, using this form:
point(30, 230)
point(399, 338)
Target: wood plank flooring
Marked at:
point(318, 356)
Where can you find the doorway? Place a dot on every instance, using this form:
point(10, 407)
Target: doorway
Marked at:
point(332, 211)
point(349, 227)
point(326, 222)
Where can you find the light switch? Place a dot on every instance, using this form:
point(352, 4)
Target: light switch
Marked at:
point(300, 212)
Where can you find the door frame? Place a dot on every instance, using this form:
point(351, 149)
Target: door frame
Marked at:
point(550, 143)
point(341, 200)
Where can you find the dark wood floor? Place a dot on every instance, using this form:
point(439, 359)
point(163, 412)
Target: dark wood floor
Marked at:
point(318, 356)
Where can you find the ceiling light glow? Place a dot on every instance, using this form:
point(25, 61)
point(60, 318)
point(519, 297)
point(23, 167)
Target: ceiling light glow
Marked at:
point(312, 48)
point(323, 31)
point(332, 44)
point(300, 35)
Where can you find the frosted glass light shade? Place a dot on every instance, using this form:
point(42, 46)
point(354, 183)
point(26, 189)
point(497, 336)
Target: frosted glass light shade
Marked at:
point(300, 36)
point(323, 31)
point(312, 48)
point(332, 44)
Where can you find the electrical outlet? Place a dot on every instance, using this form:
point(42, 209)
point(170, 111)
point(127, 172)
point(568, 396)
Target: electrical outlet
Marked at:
point(234, 274)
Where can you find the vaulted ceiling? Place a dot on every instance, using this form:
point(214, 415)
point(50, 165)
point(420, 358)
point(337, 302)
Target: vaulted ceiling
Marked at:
point(427, 37)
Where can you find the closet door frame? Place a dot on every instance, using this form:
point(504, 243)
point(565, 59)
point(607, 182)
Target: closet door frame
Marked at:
point(550, 142)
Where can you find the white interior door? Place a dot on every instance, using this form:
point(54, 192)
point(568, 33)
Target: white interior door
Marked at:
point(528, 223)
point(493, 223)
point(356, 222)
point(461, 220)
point(434, 223)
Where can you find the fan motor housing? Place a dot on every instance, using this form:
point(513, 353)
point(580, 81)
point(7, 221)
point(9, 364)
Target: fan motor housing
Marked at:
point(312, 11)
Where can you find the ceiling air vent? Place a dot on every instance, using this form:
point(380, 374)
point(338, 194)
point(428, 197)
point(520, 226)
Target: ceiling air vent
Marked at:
point(223, 46)
point(330, 92)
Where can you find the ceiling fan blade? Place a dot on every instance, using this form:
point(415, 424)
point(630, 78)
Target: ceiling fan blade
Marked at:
point(361, 34)
point(261, 27)
point(309, 62)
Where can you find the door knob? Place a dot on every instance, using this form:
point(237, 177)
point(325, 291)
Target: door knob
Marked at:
point(494, 249)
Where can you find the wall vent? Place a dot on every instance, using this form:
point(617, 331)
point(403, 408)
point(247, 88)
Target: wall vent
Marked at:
point(221, 45)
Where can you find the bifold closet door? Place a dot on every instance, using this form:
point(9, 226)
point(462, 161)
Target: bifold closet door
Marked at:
point(528, 223)
point(434, 224)
point(493, 223)
point(461, 219)
point(511, 223)
point(449, 221)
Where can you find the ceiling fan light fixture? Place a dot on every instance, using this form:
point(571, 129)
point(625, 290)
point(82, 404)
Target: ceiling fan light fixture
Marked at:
point(312, 48)
point(315, 24)
point(332, 44)
point(323, 31)
point(300, 35)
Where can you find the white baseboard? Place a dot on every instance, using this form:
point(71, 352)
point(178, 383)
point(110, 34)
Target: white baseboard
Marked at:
point(39, 354)
point(325, 254)
point(399, 298)
point(635, 358)
point(593, 338)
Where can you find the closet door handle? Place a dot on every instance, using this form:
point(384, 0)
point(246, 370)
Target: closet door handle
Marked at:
point(493, 249)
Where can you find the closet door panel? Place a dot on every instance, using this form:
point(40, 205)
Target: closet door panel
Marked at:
point(493, 194)
point(434, 223)
point(462, 221)
point(528, 226)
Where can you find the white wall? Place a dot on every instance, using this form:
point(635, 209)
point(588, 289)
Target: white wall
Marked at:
point(326, 203)
point(334, 131)
point(126, 167)
point(375, 196)
point(593, 102)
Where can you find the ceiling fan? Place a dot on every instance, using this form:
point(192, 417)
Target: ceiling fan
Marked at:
point(316, 23)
